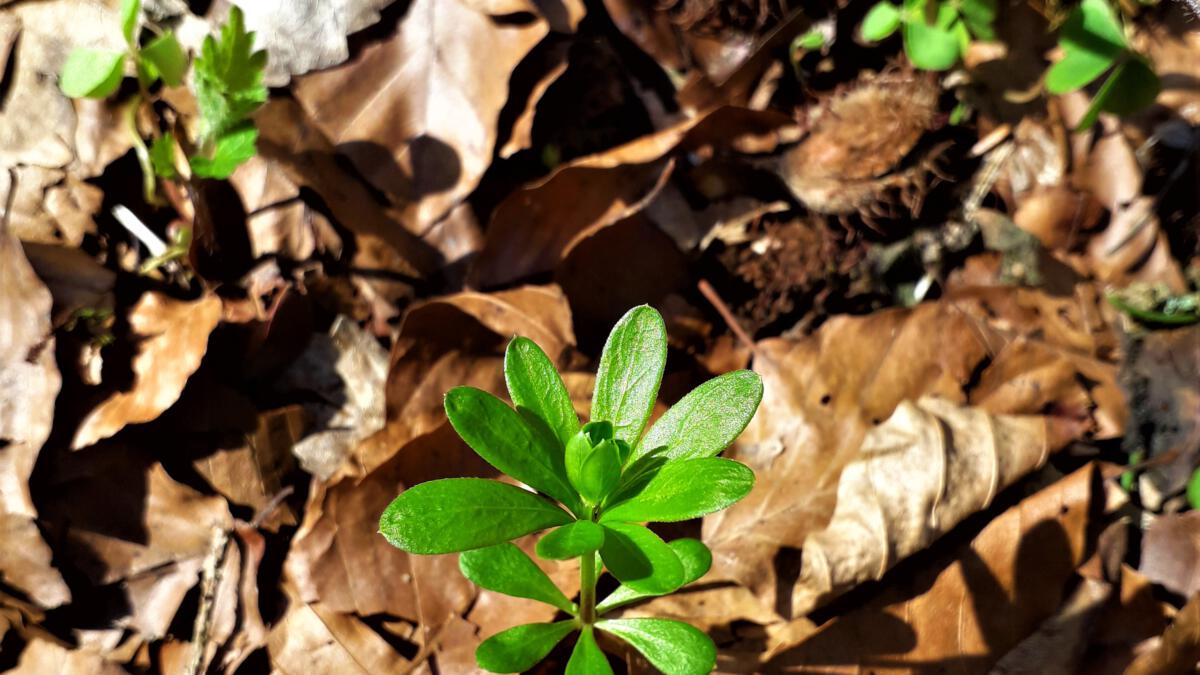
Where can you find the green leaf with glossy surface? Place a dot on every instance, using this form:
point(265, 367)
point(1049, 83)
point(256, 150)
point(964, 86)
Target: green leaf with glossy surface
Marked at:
point(231, 150)
point(92, 73)
point(571, 541)
point(167, 57)
point(707, 419)
point(521, 648)
point(631, 369)
point(673, 647)
point(533, 383)
point(682, 490)
point(639, 559)
point(499, 435)
point(600, 472)
point(693, 555)
point(129, 17)
point(932, 47)
point(506, 569)
point(880, 22)
point(586, 658)
point(459, 514)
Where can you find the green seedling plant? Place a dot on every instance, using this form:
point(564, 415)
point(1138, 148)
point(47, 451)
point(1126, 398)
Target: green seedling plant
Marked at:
point(597, 485)
point(936, 33)
point(227, 84)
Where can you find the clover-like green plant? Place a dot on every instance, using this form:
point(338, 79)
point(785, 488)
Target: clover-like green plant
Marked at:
point(936, 33)
point(597, 485)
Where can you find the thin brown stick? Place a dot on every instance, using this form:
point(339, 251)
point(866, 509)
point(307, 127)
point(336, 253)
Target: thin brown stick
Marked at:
point(710, 294)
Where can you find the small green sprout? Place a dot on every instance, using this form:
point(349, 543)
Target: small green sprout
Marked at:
point(936, 33)
point(597, 484)
point(1156, 305)
point(1094, 43)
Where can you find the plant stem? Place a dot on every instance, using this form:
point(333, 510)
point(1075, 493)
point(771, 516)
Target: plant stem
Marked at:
point(587, 589)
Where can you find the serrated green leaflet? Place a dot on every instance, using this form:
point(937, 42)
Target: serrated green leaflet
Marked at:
point(92, 73)
point(586, 658)
point(631, 369)
point(228, 79)
point(681, 490)
point(639, 559)
point(167, 58)
point(693, 555)
point(230, 151)
point(534, 384)
point(571, 541)
point(880, 22)
point(673, 647)
point(505, 440)
point(707, 419)
point(506, 569)
point(519, 649)
point(459, 514)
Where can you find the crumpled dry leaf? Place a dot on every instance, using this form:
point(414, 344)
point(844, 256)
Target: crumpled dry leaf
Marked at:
point(964, 613)
point(173, 339)
point(311, 639)
point(1171, 552)
point(537, 226)
point(277, 220)
point(1179, 650)
point(29, 384)
point(824, 393)
point(417, 113)
point(253, 474)
point(43, 656)
point(51, 206)
point(75, 279)
point(918, 474)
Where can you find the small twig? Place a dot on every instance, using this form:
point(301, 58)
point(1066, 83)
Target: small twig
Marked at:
point(269, 508)
point(710, 294)
point(9, 199)
point(214, 564)
point(138, 229)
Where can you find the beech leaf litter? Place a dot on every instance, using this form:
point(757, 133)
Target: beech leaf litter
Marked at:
point(974, 306)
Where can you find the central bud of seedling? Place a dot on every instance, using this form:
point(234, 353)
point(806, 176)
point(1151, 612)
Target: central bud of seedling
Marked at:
point(593, 460)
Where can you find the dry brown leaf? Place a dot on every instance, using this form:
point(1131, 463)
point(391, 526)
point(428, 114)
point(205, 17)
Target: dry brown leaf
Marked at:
point(277, 220)
point(521, 136)
point(962, 614)
point(253, 474)
point(173, 338)
point(26, 562)
point(537, 226)
point(75, 279)
point(417, 113)
point(1171, 552)
point(42, 656)
point(824, 393)
point(1179, 650)
point(311, 639)
point(1059, 643)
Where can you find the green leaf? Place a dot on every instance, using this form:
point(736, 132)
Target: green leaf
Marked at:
point(499, 435)
point(129, 16)
point(979, 15)
point(231, 150)
point(162, 156)
point(813, 39)
point(631, 369)
point(92, 73)
point(673, 647)
point(521, 648)
point(167, 57)
point(1129, 87)
point(682, 490)
point(533, 383)
point(707, 420)
point(459, 514)
point(1093, 27)
point(228, 79)
point(639, 559)
point(571, 541)
point(506, 569)
point(600, 472)
point(880, 22)
point(1193, 490)
point(586, 658)
point(932, 47)
point(1075, 70)
point(693, 555)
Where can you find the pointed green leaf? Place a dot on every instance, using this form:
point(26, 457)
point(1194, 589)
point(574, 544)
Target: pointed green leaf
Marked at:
point(880, 22)
point(92, 73)
point(571, 541)
point(586, 658)
point(631, 369)
point(1134, 86)
point(506, 569)
point(231, 150)
point(167, 57)
point(521, 648)
point(682, 490)
point(600, 472)
point(505, 440)
point(1075, 70)
point(707, 420)
point(931, 47)
point(639, 559)
point(533, 383)
point(693, 555)
point(459, 514)
point(673, 647)
point(129, 17)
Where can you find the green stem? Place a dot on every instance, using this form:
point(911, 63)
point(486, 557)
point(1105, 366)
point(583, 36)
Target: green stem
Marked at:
point(587, 589)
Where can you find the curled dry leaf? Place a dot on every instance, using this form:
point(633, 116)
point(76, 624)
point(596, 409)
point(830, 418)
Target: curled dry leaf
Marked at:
point(417, 113)
point(1179, 650)
point(43, 656)
point(253, 473)
point(173, 338)
point(277, 219)
point(534, 228)
point(962, 610)
point(824, 394)
point(29, 384)
point(314, 640)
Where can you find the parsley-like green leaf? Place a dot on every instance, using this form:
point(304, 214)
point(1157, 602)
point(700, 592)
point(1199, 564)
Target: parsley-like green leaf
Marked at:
point(231, 150)
point(229, 83)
